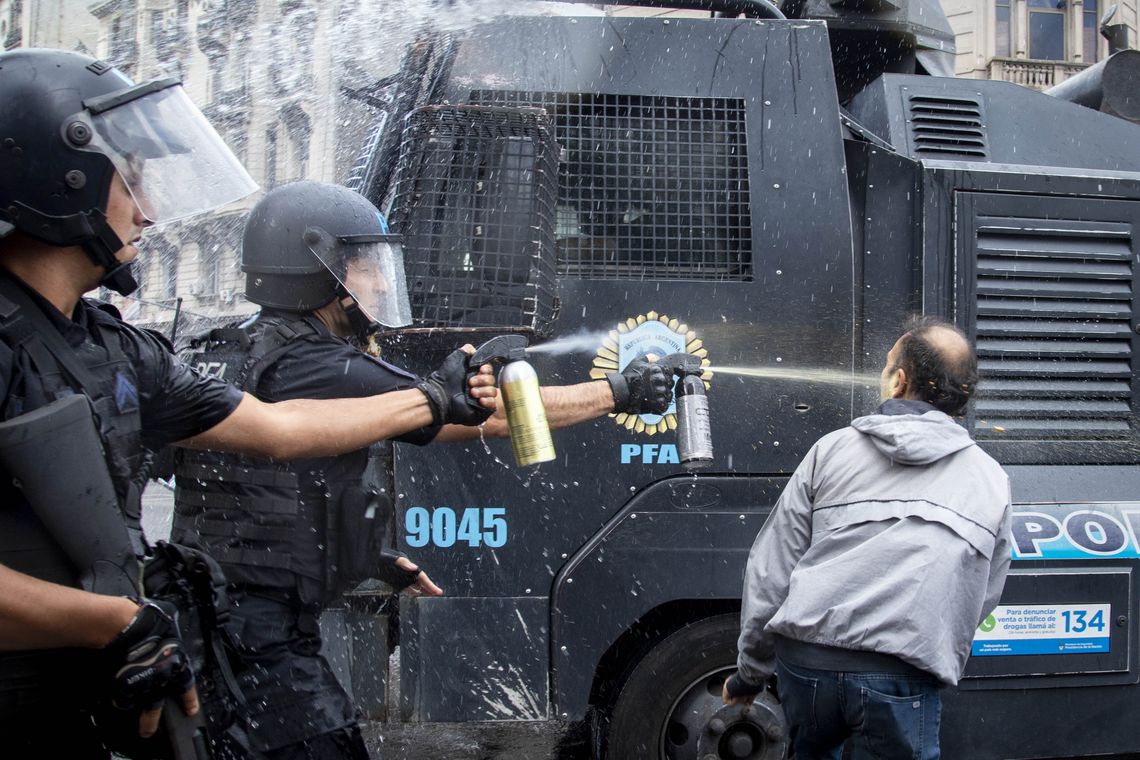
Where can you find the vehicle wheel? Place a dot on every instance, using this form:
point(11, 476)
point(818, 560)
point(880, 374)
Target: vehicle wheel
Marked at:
point(670, 707)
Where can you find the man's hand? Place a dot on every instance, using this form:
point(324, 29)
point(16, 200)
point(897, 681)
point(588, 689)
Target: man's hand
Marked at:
point(146, 664)
point(731, 700)
point(737, 691)
point(643, 387)
point(422, 585)
point(455, 398)
point(402, 574)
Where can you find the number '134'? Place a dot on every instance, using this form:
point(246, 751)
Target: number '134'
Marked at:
point(443, 527)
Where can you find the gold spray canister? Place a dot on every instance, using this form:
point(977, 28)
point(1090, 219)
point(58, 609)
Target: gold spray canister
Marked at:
point(526, 415)
point(522, 398)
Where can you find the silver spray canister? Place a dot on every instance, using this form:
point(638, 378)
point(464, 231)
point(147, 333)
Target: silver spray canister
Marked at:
point(694, 435)
point(521, 396)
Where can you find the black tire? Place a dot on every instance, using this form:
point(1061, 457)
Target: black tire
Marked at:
point(653, 719)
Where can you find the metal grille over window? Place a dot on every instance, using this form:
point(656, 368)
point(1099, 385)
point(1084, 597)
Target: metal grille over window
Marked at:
point(475, 202)
point(1054, 332)
point(649, 187)
point(942, 127)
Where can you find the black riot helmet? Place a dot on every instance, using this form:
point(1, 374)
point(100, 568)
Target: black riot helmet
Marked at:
point(308, 243)
point(69, 122)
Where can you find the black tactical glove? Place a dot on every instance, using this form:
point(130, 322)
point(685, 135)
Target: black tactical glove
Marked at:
point(395, 576)
point(146, 661)
point(643, 387)
point(448, 394)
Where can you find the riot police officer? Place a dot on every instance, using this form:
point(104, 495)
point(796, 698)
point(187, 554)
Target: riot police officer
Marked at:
point(291, 536)
point(88, 160)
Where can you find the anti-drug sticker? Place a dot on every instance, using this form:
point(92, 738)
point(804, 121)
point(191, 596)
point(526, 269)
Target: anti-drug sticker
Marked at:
point(1044, 629)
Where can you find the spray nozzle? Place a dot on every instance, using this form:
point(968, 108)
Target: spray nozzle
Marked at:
point(682, 364)
point(503, 348)
point(500, 350)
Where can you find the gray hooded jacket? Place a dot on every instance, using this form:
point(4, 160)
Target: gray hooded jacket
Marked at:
point(892, 536)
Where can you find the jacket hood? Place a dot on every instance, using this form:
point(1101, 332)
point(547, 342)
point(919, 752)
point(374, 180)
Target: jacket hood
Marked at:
point(913, 432)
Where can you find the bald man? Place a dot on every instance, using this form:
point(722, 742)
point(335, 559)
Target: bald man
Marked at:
point(886, 550)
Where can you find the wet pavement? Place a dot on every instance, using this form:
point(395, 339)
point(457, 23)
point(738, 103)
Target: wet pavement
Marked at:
point(537, 740)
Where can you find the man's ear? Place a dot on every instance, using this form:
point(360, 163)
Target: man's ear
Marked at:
point(898, 384)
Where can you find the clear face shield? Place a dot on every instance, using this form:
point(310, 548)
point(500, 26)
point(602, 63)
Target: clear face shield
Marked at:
point(173, 162)
point(370, 268)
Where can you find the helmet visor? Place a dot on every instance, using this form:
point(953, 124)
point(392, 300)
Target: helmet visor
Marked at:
point(173, 162)
point(371, 269)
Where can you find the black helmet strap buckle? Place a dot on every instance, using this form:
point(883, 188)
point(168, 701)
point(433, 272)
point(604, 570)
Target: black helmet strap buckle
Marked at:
point(359, 322)
point(101, 244)
point(88, 230)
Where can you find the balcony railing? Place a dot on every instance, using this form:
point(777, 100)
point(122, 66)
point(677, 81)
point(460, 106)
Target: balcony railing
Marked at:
point(1039, 75)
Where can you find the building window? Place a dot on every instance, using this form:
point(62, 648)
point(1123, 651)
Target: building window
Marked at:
point(169, 273)
point(297, 128)
point(1047, 30)
point(208, 276)
point(270, 158)
point(157, 26)
point(122, 45)
point(1002, 48)
point(1089, 26)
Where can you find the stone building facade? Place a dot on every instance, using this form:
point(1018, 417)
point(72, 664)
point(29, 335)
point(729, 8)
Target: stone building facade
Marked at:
point(291, 85)
point(1036, 43)
point(296, 88)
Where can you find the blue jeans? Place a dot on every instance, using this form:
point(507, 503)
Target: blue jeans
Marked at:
point(885, 716)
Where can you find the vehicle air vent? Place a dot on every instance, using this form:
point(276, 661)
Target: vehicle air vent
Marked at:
point(1054, 334)
point(946, 127)
point(649, 187)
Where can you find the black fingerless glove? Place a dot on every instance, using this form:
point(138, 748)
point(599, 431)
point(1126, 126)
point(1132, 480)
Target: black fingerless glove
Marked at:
point(146, 662)
point(643, 387)
point(449, 396)
point(395, 576)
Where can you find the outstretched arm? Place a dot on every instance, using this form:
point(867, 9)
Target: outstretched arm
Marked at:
point(565, 405)
point(643, 386)
point(306, 428)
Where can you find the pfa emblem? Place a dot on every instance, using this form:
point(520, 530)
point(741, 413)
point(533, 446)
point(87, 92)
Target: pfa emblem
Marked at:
point(650, 333)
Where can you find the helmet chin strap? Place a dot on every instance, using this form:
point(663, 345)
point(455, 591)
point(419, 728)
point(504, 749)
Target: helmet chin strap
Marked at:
point(101, 248)
point(88, 230)
point(362, 327)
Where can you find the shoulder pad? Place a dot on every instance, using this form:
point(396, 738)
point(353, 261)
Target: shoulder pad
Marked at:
point(105, 307)
point(162, 339)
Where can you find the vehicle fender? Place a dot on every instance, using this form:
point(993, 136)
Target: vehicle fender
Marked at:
point(682, 538)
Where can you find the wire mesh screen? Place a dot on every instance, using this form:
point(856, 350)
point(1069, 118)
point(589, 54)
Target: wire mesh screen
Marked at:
point(475, 202)
point(649, 187)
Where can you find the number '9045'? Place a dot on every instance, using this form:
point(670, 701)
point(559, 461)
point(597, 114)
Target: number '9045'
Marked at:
point(443, 527)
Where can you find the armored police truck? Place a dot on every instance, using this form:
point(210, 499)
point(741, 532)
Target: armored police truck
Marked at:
point(772, 189)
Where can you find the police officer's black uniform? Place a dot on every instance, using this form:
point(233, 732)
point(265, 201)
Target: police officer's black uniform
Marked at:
point(293, 536)
point(279, 529)
point(143, 396)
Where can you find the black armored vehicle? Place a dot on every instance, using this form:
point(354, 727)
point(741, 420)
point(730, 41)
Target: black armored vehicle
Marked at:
point(772, 188)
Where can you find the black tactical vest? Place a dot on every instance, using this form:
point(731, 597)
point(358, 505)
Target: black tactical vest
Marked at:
point(270, 524)
point(51, 369)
